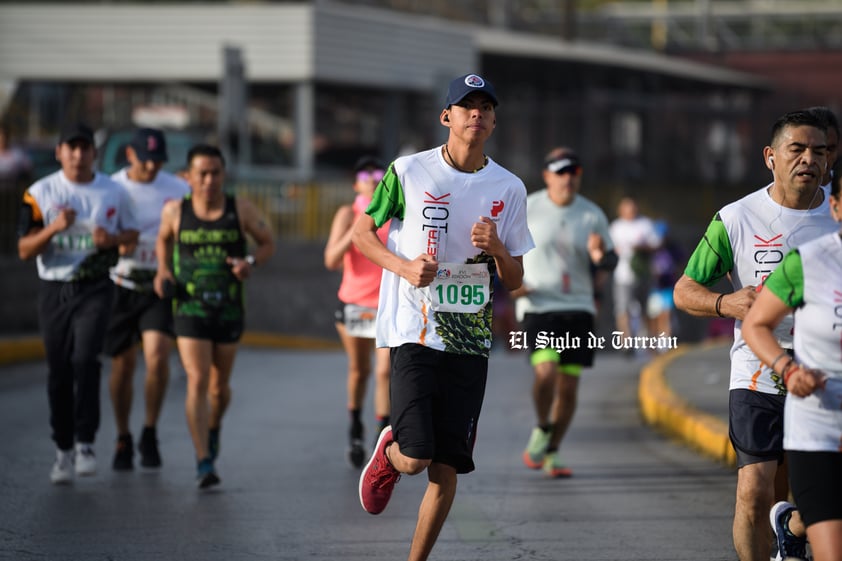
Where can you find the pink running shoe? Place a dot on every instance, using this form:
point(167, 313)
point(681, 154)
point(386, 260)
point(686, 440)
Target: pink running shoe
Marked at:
point(378, 478)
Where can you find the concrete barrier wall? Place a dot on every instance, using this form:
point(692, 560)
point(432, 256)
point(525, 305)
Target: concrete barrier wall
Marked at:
point(293, 294)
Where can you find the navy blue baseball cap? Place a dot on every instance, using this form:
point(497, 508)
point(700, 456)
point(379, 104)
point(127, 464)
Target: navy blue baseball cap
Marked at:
point(76, 131)
point(149, 144)
point(463, 85)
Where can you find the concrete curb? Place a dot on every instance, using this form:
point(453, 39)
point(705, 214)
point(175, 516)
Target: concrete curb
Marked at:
point(27, 348)
point(669, 413)
point(20, 349)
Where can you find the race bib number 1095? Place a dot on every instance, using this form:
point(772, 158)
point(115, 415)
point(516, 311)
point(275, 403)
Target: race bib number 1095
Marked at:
point(459, 287)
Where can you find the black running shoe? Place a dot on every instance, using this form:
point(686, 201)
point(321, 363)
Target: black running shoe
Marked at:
point(206, 474)
point(150, 457)
point(123, 456)
point(356, 453)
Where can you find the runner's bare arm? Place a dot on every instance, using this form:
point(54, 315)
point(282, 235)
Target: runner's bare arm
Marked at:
point(170, 217)
point(419, 272)
point(256, 226)
point(339, 240)
point(35, 239)
point(698, 300)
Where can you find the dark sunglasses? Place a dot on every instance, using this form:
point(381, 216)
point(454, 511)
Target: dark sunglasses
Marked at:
point(374, 175)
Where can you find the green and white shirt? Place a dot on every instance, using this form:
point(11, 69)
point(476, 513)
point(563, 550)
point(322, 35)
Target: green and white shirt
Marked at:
point(810, 281)
point(748, 239)
point(433, 208)
point(558, 271)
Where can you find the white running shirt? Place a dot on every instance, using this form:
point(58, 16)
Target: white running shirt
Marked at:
point(71, 254)
point(810, 281)
point(149, 199)
point(628, 235)
point(558, 271)
point(433, 208)
point(748, 239)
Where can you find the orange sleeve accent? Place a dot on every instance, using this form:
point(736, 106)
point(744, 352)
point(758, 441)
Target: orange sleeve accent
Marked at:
point(28, 199)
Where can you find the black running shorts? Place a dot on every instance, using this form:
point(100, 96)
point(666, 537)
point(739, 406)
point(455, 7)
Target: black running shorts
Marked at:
point(816, 485)
point(756, 426)
point(573, 327)
point(436, 402)
point(211, 329)
point(132, 313)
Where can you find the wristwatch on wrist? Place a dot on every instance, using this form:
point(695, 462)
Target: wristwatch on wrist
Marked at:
point(251, 261)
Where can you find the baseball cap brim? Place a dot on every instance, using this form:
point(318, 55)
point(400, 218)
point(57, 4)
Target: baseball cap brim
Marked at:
point(76, 131)
point(467, 84)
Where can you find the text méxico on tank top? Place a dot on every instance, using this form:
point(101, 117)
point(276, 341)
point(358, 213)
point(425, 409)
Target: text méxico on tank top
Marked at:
point(206, 286)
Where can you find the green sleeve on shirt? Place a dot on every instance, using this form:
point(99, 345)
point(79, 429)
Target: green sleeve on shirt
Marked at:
point(713, 258)
point(387, 201)
point(787, 281)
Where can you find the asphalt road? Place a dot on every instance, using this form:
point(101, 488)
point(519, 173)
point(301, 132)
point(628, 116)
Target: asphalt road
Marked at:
point(288, 493)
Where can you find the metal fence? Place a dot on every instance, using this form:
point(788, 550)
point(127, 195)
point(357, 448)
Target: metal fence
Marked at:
point(298, 212)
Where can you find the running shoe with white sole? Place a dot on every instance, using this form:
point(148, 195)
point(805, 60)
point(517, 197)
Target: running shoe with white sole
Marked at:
point(378, 478)
point(533, 456)
point(85, 459)
point(62, 472)
point(790, 546)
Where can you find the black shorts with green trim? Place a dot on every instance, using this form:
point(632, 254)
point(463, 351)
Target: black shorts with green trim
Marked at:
point(567, 332)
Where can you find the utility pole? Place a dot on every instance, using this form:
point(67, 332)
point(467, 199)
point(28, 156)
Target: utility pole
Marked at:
point(232, 121)
point(568, 20)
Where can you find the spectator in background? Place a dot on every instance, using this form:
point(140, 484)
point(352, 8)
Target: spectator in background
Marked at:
point(74, 221)
point(358, 295)
point(138, 315)
point(635, 239)
point(15, 166)
point(665, 269)
point(15, 176)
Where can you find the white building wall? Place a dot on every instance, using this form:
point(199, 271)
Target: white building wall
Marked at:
point(160, 43)
point(317, 41)
point(387, 50)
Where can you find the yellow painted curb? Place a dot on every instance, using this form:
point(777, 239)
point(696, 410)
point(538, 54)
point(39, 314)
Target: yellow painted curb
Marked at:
point(22, 349)
point(277, 341)
point(674, 416)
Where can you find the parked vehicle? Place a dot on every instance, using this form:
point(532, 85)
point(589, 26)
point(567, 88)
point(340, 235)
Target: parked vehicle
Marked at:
point(111, 154)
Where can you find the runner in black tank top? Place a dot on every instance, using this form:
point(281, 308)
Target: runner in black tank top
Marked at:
point(209, 299)
point(201, 249)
